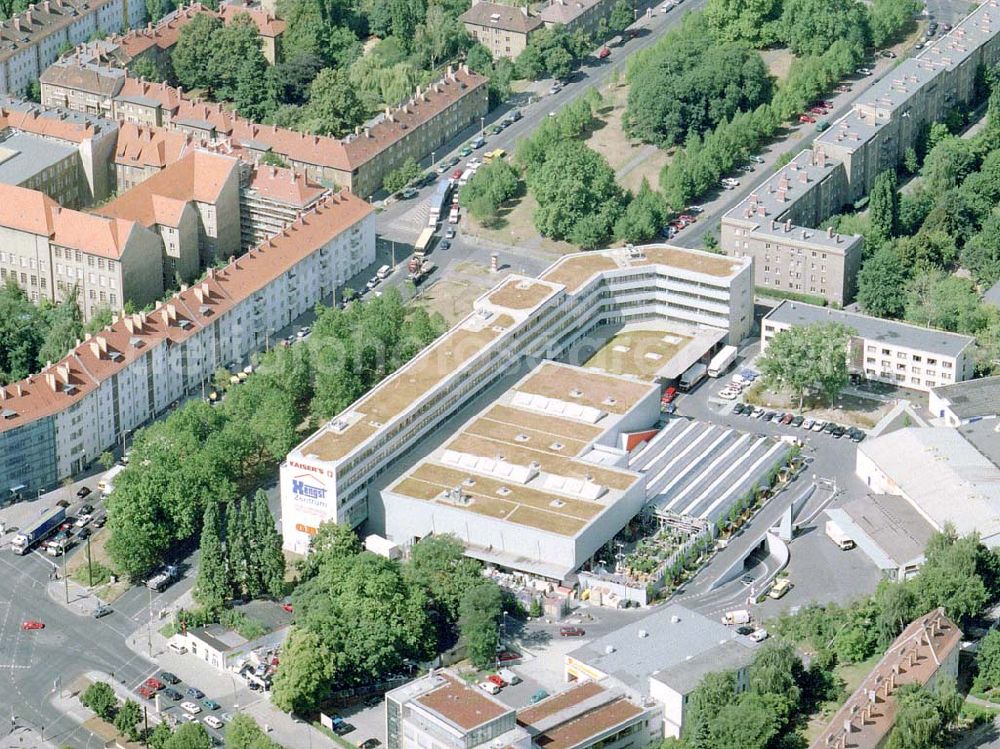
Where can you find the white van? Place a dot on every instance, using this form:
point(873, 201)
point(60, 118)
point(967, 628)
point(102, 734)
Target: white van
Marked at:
point(384, 272)
point(489, 687)
point(509, 676)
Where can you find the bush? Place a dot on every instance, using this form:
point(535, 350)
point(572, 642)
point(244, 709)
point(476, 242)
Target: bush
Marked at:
point(100, 698)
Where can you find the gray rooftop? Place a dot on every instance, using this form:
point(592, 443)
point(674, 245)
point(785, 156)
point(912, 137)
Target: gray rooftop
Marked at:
point(992, 295)
point(684, 677)
point(632, 658)
point(898, 533)
point(934, 341)
point(984, 435)
point(59, 113)
point(22, 156)
point(973, 398)
point(765, 208)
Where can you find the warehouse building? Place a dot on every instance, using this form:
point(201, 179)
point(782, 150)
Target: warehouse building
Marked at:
point(327, 477)
point(963, 402)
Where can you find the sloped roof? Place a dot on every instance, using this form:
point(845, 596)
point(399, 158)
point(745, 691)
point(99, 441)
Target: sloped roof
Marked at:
point(499, 16)
point(150, 146)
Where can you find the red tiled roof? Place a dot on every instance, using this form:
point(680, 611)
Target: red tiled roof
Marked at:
point(267, 24)
point(47, 124)
point(285, 185)
point(198, 176)
point(150, 146)
point(130, 337)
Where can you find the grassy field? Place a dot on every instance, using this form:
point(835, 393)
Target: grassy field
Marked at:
point(76, 568)
point(852, 676)
point(778, 62)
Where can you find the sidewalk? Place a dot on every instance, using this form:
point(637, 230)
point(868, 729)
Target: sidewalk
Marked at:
point(24, 737)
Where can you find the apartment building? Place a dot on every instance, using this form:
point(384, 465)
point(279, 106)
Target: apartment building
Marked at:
point(924, 654)
point(327, 477)
point(770, 226)
point(897, 353)
point(193, 205)
point(503, 29)
point(141, 152)
point(550, 503)
point(774, 223)
point(30, 41)
point(270, 198)
point(48, 250)
point(58, 421)
point(576, 14)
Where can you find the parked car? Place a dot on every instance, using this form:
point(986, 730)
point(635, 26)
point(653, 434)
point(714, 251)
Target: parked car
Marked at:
point(538, 696)
point(603, 53)
point(213, 722)
point(770, 415)
point(145, 692)
point(153, 683)
point(758, 635)
point(843, 89)
point(496, 679)
point(83, 491)
point(747, 580)
point(370, 743)
point(829, 427)
point(808, 424)
point(888, 54)
point(191, 707)
point(571, 632)
point(211, 704)
point(343, 728)
point(758, 412)
point(738, 409)
point(819, 426)
point(489, 687)
point(84, 534)
point(195, 692)
point(822, 125)
point(465, 151)
point(805, 118)
point(172, 693)
point(839, 431)
point(729, 394)
point(863, 71)
point(444, 244)
point(787, 419)
point(744, 629)
point(32, 624)
point(797, 422)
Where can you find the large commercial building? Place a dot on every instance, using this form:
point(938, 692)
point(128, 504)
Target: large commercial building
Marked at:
point(503, 29)
point(947, 474)
point(925, 654)
point(663, 657)
point(54, 423)
point(898, 353)
point(773, 224)
point(532, 482)
point(327, 477)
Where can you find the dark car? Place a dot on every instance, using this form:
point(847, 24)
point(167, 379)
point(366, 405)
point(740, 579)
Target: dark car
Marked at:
point(444, 244)
point(343, 728)
point(855, 434)
point(797, 421)
point(370, 743)
point(195, 692)
point(738, 409)
point(172, 693)
point(84, 534)
point(838, 432)
point(87, 509)
point(102, 611)
point(83, 491)
point(744, 629)
point(99, 522)
point(169, 678)
point(829, 428)
point(747, 580)
point(769, 415)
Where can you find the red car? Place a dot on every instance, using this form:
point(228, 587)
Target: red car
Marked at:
point(806, 118)
point(605, 52)
point(456, 175)
point(571, 632)
point(33, 624)
point(669, 394)
point(828, 104)
point(287, 607)
point(687, 218)
point(495, 678)
point(153, 683)
point(818, 110)
point(145, 692)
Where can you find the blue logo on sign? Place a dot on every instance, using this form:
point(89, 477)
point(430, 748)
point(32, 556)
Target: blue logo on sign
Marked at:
point(305, 490)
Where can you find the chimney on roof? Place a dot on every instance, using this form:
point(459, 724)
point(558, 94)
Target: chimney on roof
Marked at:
point(788, 224)
point(50, 380)
point(19, 389)
point(17, 23)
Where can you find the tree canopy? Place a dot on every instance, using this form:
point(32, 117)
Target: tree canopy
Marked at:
point(808, 357)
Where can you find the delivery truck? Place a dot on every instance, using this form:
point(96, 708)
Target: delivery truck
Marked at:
point(838, 536)
point(38, 531)
point(739, 616)
point(694, 374)
point(722, 361)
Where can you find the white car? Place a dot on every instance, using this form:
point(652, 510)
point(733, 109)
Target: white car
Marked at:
point(729, 394)
point(212, 721)
point(190, 718)
point(758, 635)
point(473, 164)
point(808, 424)
point(191, 707)
point(757, 412)
point(82, 520)
point(818, 426)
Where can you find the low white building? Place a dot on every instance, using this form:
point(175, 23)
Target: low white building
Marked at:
point(964, 402)
point(526, 484)
point(909, 356)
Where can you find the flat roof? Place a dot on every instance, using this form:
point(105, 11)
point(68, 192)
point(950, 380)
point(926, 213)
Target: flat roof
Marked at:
point(558, 702)
point(640, 352)
point(462, 705)
point(632, 657)
point(944, 475)
point(518, 459)
point(878, 329)
point(521, 293)
point(685, 676)
point(592, 723)
point(23, 156)
point(891, 523)
point(972, 398)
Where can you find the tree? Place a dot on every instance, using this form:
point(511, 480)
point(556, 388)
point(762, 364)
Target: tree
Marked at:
point(988, 661)
point(489, 188)
point(304, 673)
point(237, 68)
point(159, 736)
point(396, 180)
point(621, 17)
point(716, 691)
point(439, 565)
point(812, 26)
point(189, 736)
point(127, 720)
point(882, 284)
point(100, 698)
point(884, 209)
point(749, 723)
point(479, 619)
point(949, 577)
point(333, 542)
point(244, 733)
point(751, 21)
point(944, 301)
point(21, 332)
point(981, 254)
point(238, 547)
point(154, 10)
point(268, 560)
point(212, 587)
point(578, 197)
point(334, 107)
point(644, 217)
point(192, 56)
point(106, 460)
point(948, 163)
point(919, 721)
point(529, 64)
point(439, 37)
point(888, 18)
point(65, 328)
point(808, 357)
